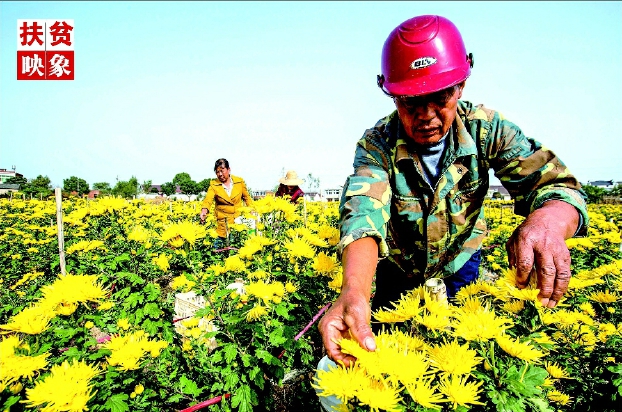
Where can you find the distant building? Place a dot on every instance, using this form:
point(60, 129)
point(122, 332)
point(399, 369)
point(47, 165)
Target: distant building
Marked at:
point(7, 174)
point(6, 188)
point(93, 194)
point(605, 184)
point(502, 192)
point(332, 195)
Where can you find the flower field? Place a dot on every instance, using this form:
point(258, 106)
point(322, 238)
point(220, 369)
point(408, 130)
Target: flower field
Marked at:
point(107, 337)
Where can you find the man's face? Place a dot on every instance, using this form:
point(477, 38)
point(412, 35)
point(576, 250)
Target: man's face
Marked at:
point(427, 118)
point(222, 173)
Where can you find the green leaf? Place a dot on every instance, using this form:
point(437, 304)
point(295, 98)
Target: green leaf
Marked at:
point(282, 311)
point(277, 338)
point(242, 399)
point(541, 405)
point(116, 403)
point(124, 257)
point(152, 292)
point(11, 401)
point(72, 353)
point(139, 315)
point(189, 386)
point(231, 380)
point(150, 326)
point(246, 360)
point(266, 357)
point(133, 299)
point(254, 372)
point(230, 351)
point(65, 333)
point(152, 310)
point(133, 278)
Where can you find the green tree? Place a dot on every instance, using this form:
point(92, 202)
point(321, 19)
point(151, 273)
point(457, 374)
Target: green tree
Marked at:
point(76, 184)
point(204, 185)
point(38, 187)
point(180, 178)
point(616, 191)
point(103, 187)
point(146, 187)
point(594, 193)
point(17, 180)
point(186, 184)
point(126, 189)
point(189, 187)
point(168, 188)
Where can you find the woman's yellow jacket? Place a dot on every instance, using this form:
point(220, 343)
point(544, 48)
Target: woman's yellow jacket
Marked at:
point(226, 206)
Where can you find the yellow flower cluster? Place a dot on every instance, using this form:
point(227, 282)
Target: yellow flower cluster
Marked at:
point(128, 350)
point(377, 378)
point(179, 233)
point(85, 246)
point(59, 298)
point(67, 388)
point(14, 366)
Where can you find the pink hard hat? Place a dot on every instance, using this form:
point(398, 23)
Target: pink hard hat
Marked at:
point(423, 55)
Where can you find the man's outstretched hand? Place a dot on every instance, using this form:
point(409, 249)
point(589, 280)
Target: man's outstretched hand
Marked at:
point(350, 314)
point(539, 244)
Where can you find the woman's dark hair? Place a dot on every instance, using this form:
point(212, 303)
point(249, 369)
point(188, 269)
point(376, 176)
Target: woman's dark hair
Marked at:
point(221, 162)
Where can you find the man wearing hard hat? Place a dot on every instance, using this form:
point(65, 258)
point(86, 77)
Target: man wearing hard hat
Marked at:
point(413, 208)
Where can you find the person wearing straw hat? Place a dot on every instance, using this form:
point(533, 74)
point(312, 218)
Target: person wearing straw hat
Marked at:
point(290, 186)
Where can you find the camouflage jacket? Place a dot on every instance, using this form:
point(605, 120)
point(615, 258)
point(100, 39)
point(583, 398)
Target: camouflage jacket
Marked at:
point(434, 231)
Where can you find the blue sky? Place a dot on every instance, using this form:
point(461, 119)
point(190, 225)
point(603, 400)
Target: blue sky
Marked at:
point(168, 87)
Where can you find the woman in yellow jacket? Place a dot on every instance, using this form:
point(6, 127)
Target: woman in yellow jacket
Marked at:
point(227, 193)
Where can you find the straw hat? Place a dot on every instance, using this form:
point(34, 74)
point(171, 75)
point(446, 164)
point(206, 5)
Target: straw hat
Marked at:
point(291, 179)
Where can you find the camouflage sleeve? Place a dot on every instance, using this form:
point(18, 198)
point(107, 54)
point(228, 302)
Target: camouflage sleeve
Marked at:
point(531, 172)
point(365, 200)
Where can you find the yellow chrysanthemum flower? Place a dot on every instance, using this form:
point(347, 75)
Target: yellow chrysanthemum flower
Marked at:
point(460, 392)
point(187, 231)
point(408, 307)
point(324, 264)
point(234, 264)
point(482, 326)
point(67, 388)
point(128, 350)
point(300, 248)
point(67, 291)
point(454, 358)
point(559, 397)
point(256, 313)
point(32, 320)
point(253, 245)
point(603, 297)
point(182, 282)
point(123, 324)
point(514, 306)
point(85, 246)
point(555, 370)
point(139, 234)
point(380, 396)
point(341, 382)
point(518, 349)
point(161, 261)
point(424, 393)
point(14, 366)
